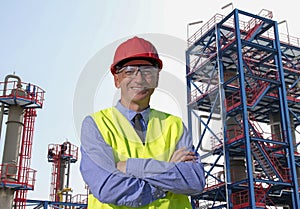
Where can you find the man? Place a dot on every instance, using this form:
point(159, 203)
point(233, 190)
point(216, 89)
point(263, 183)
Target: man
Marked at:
point(51, 153)
point(132, 155)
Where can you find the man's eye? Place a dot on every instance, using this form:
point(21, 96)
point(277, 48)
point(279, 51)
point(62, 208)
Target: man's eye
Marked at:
point(129, 72)
point(147, 72)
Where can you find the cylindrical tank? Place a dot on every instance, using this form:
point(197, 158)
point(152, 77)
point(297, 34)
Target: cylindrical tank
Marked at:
point(237, 165)
point(6, 198)
point(275, 124)
point(13, 135)
point(10, 153)
point(238, 169)
point(62, 171)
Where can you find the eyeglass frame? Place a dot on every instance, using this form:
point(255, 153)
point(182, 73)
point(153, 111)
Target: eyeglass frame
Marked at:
point(153, 70)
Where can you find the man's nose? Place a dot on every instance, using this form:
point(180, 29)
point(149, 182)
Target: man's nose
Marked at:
point(137, 71)
point(138, 74)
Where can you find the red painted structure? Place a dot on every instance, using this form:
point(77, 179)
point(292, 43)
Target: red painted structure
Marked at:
point(61, 156)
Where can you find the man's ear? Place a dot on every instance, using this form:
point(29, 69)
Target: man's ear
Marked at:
point(157, 80)
point(117, 81)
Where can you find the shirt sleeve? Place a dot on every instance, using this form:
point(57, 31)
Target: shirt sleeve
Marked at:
point(105, 181)
point(183, 177)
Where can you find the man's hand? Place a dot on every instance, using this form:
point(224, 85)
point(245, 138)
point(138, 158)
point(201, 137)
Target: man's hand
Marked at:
point(180, 155)
point(183, 155)
point(121, 165)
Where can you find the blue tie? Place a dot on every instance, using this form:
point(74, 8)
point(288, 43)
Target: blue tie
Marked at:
point(138, 126)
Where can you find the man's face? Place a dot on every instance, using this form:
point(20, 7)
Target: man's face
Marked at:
point(137, 81)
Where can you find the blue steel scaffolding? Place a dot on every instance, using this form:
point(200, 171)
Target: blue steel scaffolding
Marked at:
point(243, 110)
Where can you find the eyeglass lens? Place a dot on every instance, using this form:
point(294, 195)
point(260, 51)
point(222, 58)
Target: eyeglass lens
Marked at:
point(132, 71)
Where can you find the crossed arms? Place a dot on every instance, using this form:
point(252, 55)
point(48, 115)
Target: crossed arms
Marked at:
point(137, 182)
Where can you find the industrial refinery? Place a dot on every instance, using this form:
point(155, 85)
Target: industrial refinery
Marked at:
point(20, 102)
point(243, 101)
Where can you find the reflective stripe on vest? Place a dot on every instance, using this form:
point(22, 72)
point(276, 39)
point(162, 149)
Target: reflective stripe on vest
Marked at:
point(163, 133)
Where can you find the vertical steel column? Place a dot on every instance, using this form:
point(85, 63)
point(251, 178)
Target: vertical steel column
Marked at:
point(223, 117)
point(188, 93)
point(244, 110)
point(286, 121)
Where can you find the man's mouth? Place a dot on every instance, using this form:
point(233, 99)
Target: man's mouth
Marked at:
point(139, 88)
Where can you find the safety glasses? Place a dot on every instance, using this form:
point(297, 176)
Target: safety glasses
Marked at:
point(147, 71)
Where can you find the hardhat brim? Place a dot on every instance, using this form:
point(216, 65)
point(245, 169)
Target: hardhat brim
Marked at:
point(155, 61)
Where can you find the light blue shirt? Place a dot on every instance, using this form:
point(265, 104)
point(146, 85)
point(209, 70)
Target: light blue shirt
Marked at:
point(145, 181)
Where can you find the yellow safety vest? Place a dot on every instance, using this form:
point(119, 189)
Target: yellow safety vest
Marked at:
point(163, 133)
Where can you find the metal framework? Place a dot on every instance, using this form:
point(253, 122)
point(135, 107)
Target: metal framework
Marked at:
point(61, 155)
point(37, 204)
point(243, 109)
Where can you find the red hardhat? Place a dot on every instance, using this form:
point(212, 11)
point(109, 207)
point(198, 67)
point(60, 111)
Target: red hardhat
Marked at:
point(135, 49)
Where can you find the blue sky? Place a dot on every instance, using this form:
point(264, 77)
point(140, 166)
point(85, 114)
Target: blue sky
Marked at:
point(52, 43)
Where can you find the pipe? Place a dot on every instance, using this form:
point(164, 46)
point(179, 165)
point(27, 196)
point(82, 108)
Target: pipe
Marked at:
point(19, 85)
point(281, 191)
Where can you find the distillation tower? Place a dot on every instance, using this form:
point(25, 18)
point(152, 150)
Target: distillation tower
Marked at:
point(19, 102)
point(61, 156)
point(244, 110)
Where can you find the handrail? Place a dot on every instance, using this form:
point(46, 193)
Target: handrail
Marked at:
point(8, 173)
point(12, 90)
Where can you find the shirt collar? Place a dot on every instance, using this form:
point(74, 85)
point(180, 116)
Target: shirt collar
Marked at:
point(129, 114)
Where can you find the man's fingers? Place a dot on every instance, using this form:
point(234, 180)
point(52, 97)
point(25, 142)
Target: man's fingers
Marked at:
point(183, 155)
point(189, 158)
